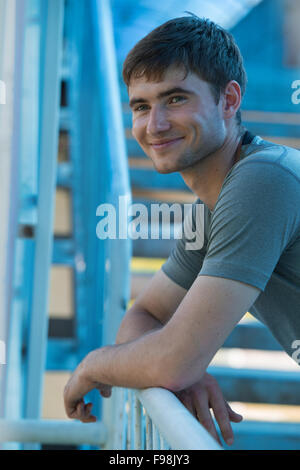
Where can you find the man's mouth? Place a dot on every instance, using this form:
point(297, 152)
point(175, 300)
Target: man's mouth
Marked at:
point(165, 143)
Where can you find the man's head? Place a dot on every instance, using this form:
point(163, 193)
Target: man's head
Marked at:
point(193, 54)
point(197, 44)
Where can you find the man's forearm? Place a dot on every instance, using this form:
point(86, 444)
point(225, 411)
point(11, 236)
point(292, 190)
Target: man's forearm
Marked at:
point(135, 364)
point(136, 323)
point(140, 363)
point(146, 355)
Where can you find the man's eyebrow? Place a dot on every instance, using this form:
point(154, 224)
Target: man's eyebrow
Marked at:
point(162, 94)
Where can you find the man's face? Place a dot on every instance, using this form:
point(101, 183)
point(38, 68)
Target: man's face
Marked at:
point(176, 121)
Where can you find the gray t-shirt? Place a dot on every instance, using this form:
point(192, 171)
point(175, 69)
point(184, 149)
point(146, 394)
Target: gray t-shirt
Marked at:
point(253, 236)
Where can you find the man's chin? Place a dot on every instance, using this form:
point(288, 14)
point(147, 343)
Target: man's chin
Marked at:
point(166, 165)
point(165, 170)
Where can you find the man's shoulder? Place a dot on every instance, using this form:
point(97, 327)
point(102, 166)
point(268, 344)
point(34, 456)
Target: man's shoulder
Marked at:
point(261, 155)
point(266, 150)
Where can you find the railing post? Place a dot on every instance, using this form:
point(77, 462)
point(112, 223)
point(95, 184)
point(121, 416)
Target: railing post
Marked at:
point(49, 124)
point(52, 431)
point(13, 48)
point(175, 423)
point(116, 282)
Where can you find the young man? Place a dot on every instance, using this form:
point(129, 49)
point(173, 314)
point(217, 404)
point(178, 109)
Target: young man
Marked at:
point(185, 82)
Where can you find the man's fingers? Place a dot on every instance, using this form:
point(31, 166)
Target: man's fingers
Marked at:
point(204, 416)
point(83, 413)
point(233, 416)
point(221, 414)
point(88, 417)
point(187, 402)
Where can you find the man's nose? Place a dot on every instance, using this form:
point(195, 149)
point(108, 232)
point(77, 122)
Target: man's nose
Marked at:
point(157, 121)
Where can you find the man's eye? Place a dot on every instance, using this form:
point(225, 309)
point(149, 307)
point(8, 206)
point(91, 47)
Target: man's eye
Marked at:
point(176, 99)
point(141, 107)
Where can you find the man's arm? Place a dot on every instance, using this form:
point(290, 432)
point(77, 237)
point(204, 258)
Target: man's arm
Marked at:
point(162, 297)
point(200, 316)
point(176, 355)
point(152, 308)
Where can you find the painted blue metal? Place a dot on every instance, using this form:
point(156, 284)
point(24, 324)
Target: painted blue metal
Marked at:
point(252, 335)
point(117, 164)
point(61, 354)
point(15, 375)
point(96, 173)
point(264, 25)
point(76, 178)
point(64, 252)
point(258, 386)
point(51, 44)
point(85, 189)
point(13, 385)
point(275, 130)
point(65, 170)
point(30, 126)
point(133, 20)
point(114, 257)
point(269, 88)
point(257, 435)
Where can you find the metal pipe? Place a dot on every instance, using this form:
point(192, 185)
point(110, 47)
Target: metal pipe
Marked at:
point(155, 437)
point(52, 432)
point(176, 424)
point(137, 423)
point(149, 442)
point(38, 325)
point(113, 154)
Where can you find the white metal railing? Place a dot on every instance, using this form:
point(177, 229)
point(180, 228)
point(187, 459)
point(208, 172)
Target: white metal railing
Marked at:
point(156, 419)
point(153, 418)
point(52, 432)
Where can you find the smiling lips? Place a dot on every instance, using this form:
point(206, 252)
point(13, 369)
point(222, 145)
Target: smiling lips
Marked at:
point(166, 143)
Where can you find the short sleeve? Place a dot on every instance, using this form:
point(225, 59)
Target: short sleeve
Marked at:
point(255, 218)
point(184, 263)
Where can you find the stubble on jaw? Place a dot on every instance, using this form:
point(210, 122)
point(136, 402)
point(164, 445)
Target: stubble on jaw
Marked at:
point(189, 160)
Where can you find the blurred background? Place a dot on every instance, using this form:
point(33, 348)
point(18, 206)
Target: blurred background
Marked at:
point(66, 147)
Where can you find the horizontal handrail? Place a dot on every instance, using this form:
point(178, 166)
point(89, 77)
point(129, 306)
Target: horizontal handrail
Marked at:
point(174, 422)
point(52, 432)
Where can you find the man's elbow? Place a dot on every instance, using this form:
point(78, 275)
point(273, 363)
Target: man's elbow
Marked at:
point(175, 377)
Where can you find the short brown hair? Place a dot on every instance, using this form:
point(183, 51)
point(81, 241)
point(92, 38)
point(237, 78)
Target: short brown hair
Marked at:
point(197, 44)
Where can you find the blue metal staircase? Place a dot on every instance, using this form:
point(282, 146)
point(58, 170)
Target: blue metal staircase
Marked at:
point(66, 53)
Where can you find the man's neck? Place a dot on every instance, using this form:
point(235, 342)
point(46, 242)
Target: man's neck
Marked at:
point(205, 179)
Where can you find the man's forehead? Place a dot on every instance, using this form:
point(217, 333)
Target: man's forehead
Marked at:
point(167, 77)
point(172, 78)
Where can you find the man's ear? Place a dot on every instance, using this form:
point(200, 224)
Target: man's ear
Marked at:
point(231, 99)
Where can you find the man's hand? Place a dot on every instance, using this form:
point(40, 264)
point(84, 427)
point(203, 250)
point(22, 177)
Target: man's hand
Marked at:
point(202, 396)
point(75, 390)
